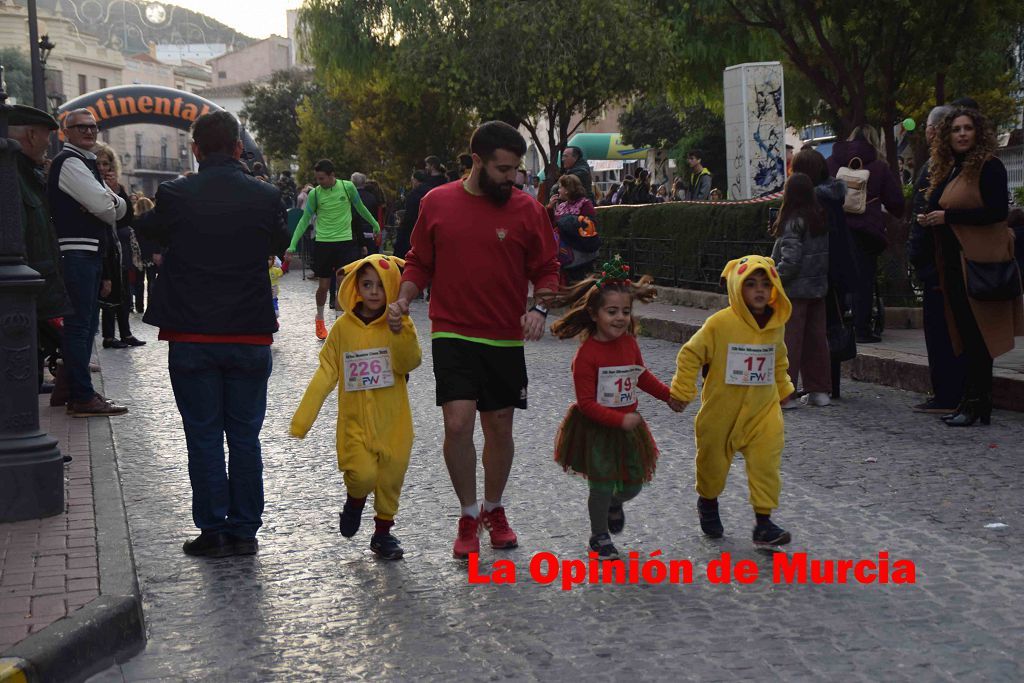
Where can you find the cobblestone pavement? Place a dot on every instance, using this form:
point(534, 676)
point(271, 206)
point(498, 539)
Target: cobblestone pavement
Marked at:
point(860, 477)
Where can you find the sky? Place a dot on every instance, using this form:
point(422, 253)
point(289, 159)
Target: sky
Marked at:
point(255, 18)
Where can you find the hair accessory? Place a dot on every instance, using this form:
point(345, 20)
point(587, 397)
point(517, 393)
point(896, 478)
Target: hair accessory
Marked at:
point(614, 271)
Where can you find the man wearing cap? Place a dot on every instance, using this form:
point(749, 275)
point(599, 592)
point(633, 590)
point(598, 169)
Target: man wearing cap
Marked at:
point(84, 211)
point(31, 128)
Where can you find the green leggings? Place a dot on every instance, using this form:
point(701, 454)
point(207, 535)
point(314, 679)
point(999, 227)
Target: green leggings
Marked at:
point(602, 497)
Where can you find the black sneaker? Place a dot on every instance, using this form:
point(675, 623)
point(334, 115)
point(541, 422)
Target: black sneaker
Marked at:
point(603, 546)
point(244, 546)
point(349, 521)
point(769, 533)
point(710, 522)
point(209, 544)
point(616, 519)
point(386, 547)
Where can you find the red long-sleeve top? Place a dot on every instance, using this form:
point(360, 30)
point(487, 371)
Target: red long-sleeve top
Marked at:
point(592, 356)
point(479, 259)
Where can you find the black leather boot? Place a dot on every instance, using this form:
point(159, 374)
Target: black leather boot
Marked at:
point(970, 411)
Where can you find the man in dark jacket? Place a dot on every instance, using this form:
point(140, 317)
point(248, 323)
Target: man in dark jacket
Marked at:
point(573, 163)
point(213, 304)
point(31, 128)
point(360, 226)
point(948, 371)
point(412, 211)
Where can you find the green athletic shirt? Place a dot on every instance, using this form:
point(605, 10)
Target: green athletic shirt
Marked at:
point(333, 209)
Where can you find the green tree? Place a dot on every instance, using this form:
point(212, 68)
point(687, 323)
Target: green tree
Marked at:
point(273, 110)
point(867, 59)
point(324, 122)
point(548, 67)
point(704, 130)
point(650, 123)
point(17, 73)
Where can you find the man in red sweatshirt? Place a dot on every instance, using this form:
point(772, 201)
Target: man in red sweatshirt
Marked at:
point(478, 243)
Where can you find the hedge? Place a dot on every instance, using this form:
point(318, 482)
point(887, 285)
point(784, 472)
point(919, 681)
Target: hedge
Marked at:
point(686, 244)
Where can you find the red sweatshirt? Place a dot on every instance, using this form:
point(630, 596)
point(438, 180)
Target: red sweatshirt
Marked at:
point(478, 259)
point(607, 375)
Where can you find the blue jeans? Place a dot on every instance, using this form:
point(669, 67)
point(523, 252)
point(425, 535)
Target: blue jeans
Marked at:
point(82, 273)
point(221, 389)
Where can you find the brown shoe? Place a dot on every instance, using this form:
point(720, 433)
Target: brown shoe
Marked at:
point(61, 387)
point(95, 407)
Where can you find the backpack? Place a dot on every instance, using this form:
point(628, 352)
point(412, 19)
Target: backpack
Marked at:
point(856, 180)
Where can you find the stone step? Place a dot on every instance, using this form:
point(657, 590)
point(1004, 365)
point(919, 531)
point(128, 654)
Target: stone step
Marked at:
point(899, 361)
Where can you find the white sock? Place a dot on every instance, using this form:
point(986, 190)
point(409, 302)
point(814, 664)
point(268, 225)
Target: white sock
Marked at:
point(490, 507)
point(319, 312)
point(471, 510)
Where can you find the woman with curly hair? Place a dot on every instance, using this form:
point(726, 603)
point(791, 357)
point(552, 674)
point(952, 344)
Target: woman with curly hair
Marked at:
point(967, 209)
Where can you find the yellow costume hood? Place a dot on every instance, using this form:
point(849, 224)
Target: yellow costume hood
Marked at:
point(738, 270)
point(387, 267)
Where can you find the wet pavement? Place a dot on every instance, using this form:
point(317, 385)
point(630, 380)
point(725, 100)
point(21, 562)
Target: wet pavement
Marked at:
point(860, 477)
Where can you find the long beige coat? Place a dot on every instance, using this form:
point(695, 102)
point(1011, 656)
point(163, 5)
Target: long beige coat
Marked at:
point(998, 321)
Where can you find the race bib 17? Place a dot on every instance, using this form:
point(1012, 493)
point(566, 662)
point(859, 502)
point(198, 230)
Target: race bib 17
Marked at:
point(750, 364)
point(368, 369)
point(616, 386)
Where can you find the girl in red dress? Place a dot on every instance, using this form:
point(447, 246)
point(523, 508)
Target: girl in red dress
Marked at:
point(602, 437)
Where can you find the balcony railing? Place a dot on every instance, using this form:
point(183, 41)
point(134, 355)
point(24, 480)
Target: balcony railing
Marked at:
point(165, 164)
point(1013, 160)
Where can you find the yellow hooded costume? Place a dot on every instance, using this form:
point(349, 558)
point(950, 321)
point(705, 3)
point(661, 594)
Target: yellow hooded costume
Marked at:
point(370, 363)
point(747, 378)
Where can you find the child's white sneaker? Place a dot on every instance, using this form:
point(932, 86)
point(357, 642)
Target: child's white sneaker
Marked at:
point(816, 398)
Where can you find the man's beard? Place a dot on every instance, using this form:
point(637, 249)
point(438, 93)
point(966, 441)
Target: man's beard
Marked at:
point(498, 193)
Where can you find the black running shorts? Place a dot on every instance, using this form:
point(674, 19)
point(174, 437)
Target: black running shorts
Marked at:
point(493, 376)
point(329, 256)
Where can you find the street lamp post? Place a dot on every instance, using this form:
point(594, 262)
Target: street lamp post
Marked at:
point(31, 466)
point(38, 87)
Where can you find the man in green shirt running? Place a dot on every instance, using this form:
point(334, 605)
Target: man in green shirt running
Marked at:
point(331, 201)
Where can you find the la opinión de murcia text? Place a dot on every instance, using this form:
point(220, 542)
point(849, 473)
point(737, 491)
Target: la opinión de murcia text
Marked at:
point(548, 569)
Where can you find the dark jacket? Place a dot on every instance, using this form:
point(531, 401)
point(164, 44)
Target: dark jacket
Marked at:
point(842, 266)
point(219, 226)
point(119, 257)
point(411, 212)
point(802, 260)
point(41, 249)
point(76, 228)
point(581, 169)
point(361, 228)
point(921, 242)
point(884, 189)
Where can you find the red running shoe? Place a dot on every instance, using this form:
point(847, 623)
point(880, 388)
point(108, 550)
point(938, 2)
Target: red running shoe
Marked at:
point(496, 523)
point(468, 540)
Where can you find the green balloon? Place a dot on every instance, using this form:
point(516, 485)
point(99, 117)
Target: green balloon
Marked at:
point(909, 124)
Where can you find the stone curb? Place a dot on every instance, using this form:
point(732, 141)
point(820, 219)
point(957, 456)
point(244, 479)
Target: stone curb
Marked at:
point(896, 317)
point(870, 365)
point(111, 627)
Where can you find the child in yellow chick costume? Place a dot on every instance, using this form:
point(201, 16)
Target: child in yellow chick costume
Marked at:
point(747, 379)
point(374, 420)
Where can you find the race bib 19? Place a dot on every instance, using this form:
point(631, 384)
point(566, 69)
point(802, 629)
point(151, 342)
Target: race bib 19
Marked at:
point(750, 364)
point(616, 386)
point(368, 369)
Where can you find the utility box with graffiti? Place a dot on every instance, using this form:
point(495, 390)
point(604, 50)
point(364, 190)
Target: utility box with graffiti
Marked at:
point(755, 129)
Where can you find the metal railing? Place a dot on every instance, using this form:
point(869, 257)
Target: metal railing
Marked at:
point(154, 163)
point(1013, 160)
